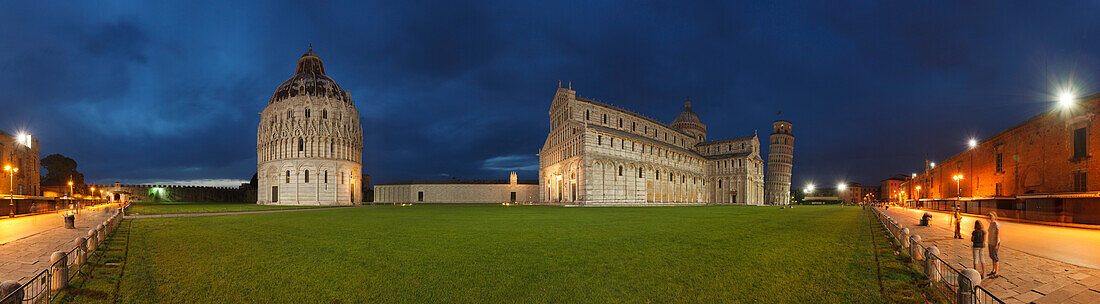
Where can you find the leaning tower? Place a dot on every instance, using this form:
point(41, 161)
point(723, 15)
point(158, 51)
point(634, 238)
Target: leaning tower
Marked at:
point(777, 188)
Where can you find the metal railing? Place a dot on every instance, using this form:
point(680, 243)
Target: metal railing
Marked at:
point(945, 278)
point(984, 296)
point(39, 288)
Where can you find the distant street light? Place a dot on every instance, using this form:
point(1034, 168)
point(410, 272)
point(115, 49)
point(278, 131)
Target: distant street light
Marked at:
point(11, 187)
point(958, 184)
point(973, 143)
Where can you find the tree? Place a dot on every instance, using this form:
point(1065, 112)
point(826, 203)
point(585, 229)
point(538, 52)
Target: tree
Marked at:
point(60, 170)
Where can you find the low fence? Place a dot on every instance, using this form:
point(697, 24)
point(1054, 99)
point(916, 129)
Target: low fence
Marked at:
point(64, 266)
point(1059, 210)
point(957, 286)
point(40, 205)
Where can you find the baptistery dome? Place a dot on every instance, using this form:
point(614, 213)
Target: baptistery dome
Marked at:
point(310, 79)
point(309, 144)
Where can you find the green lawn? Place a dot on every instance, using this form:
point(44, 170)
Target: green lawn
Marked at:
point(493, 253)
point(192, 207)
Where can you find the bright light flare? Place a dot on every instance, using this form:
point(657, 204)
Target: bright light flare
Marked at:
point(972, 143)
point(1066, 99)
point(841, 187)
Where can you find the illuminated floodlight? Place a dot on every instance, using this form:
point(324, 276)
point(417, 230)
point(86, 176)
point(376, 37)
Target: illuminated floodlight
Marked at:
point(1066, 99)
point(932, 164)
point(972, 143)
point(841, 187)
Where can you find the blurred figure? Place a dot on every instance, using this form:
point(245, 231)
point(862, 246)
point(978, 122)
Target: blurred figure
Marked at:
point(978, 240)
point(994, 239)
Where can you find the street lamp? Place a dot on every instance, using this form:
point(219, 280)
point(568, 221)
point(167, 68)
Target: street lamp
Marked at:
point(11, 187)
point(1066, 99)
point(958, 186)
point(972, 143)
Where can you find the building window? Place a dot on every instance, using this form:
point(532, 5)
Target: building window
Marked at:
point(599, 139)
point(620, 170)
point(301, 144)
point(1079, 144)
point(324, 114)
point(1079, 180)
point(586, 115)
point(307, 176)
point(288, 176)
point(307, 113)
point(620, 122)
point(640, 173)
point(1000, 162)
point(633, 127)
point(326, 176)
point(605, 119)
point(513, 197)
point(658, 175)
point(420, 196)
point(719, 183)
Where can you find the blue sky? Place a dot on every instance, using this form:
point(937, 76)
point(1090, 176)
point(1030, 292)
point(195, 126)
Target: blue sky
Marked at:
point(169, 91)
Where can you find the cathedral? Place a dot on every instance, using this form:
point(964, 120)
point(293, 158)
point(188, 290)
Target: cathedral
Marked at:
point(309, 143)
point(598, 154)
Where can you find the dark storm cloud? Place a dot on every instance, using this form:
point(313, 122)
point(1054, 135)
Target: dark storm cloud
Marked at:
point(170, 91)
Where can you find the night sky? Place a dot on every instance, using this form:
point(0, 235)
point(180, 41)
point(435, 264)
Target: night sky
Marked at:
point(170, 92)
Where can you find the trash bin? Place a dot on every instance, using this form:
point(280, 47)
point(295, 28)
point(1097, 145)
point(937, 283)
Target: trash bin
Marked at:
point(925, 219)
point(70, 221)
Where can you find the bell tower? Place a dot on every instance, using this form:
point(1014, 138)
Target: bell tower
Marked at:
point(777, 184)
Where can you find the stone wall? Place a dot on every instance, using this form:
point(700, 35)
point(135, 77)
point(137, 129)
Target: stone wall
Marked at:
point(455, 193)
point(172, 193)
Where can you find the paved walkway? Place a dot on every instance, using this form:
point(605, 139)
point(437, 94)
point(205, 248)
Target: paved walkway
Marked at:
point(26, 243)
point(1028, 273)
point(231, 213)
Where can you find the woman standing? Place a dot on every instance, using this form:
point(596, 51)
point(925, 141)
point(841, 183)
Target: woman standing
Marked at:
point(978, 238)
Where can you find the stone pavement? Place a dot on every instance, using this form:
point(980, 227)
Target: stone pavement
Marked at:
point(1023, 277)
point(27, 252)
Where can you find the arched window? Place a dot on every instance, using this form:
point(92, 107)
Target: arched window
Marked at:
point(620, 170)
point(586, 115)
point(658, 175)
point(289, 114)
point(605, 118)
point(288, 176)
point(324, 114)
point(326, 176)
point(301, 144)
point(719, 183)
point(307, 113)
point(640, 173)
point(307, 176)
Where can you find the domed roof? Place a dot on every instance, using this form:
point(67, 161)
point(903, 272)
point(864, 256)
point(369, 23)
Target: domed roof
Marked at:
point(310, 80)
point(687, 115)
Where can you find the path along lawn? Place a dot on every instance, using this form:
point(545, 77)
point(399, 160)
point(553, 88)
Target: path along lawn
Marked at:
point(493, 253)
point(193, 207)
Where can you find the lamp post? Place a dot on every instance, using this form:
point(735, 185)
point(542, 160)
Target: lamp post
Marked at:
point(71, 194)
point(958, 189)
point(11, 188)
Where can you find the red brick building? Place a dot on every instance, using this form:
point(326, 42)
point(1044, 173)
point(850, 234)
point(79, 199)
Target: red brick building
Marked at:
point(1038, 169)
point(891, 188)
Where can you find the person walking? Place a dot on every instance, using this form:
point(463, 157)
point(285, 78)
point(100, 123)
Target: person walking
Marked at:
point(978, 240)
point(994, 240)
point(957, 218)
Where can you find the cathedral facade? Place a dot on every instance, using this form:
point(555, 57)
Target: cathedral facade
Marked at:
point(309, 144)
point(599, 154)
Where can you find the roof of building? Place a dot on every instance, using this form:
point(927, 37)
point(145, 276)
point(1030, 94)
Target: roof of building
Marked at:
point(732, 155)
point(310, 80)
point(613, 107)
point(732, 139)
point(645, 139)
point(459, 182)
point(687, 115)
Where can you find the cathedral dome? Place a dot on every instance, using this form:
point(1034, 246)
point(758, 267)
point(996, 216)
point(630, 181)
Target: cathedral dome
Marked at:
point(687, 115)
point(310, 80)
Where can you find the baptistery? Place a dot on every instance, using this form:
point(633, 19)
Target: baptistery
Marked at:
point(309, 145)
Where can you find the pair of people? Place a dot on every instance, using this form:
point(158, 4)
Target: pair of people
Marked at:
point(978, 239)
